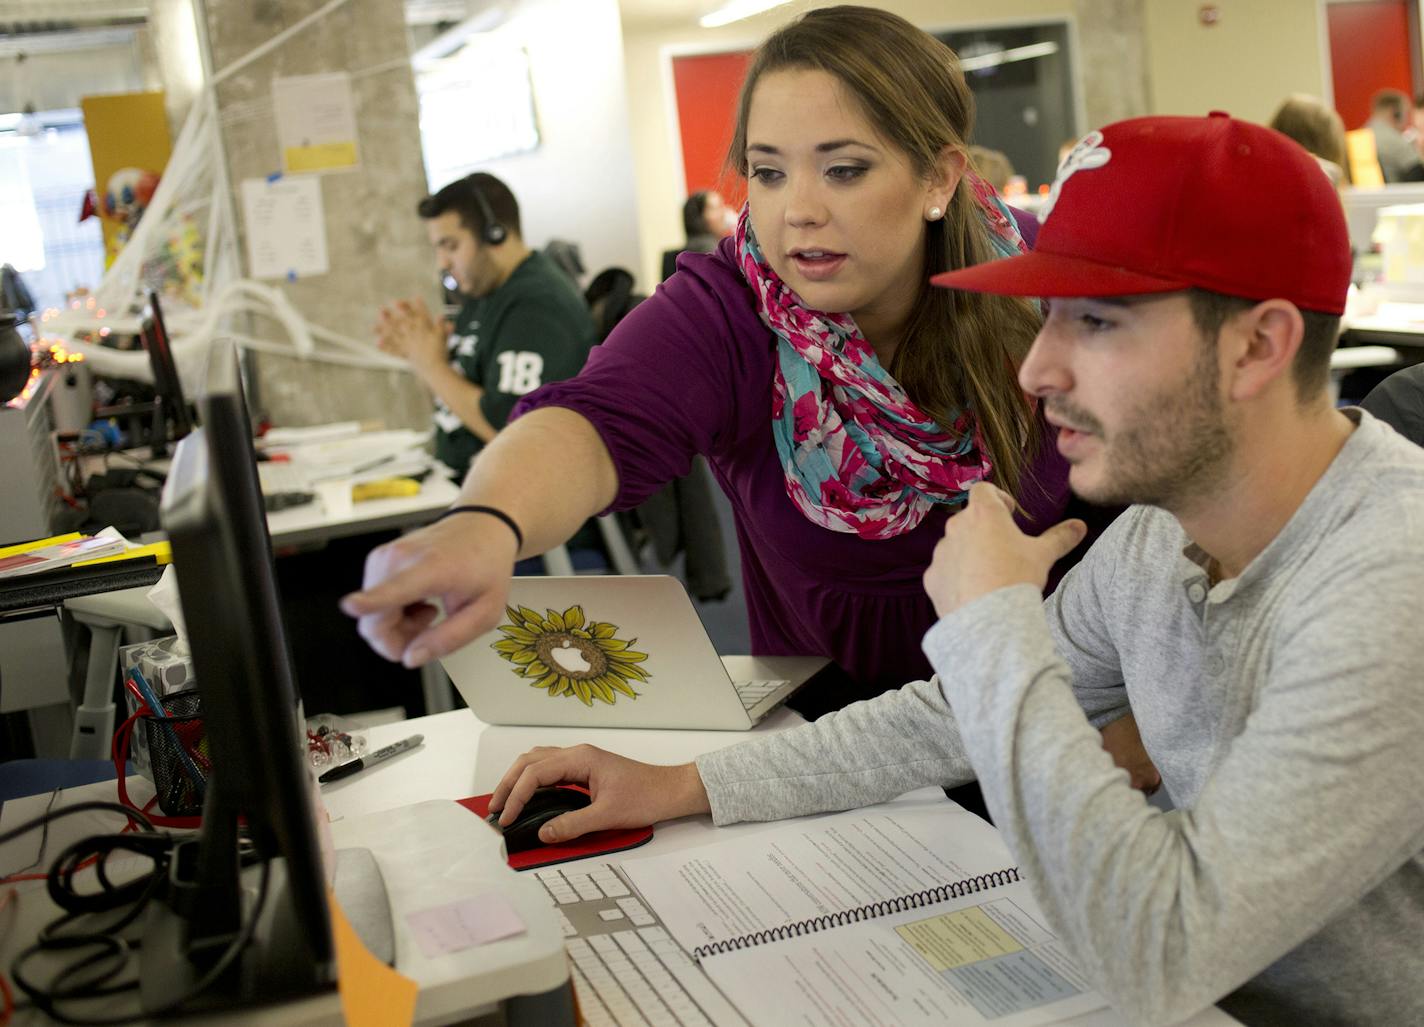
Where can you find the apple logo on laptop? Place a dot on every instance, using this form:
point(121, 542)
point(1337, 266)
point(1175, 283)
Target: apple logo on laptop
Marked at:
point(570, 659)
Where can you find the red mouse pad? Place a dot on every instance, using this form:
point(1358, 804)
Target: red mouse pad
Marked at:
point(596, 844)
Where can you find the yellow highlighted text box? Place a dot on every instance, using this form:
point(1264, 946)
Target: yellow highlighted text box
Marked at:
point(955, 939)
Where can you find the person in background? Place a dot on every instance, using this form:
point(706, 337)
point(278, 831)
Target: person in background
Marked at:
point(1390, 115)
point(1398, 401)
point(993, 166)
point(1319, 129)
point(1259, 609)
point(1415, 134)
point(844, 406)
point(14, 296)
point(706, 220)
point(523, 322)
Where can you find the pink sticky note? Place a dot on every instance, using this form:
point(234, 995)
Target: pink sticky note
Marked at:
point(441, 930)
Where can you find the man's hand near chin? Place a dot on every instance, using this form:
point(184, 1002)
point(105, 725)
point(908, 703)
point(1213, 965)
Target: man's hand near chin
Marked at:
point(983, 550)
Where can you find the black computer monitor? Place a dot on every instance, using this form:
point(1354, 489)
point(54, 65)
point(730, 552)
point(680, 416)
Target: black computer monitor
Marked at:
point(172, 420)
point(222, 553)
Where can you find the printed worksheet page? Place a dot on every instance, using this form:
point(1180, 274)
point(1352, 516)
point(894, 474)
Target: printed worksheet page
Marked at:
point(814, 866)
point(983, 958)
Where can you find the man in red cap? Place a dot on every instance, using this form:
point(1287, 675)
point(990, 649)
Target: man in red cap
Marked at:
point(1257, 608)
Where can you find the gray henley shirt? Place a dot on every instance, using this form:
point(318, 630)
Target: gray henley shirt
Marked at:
point(1284, 708)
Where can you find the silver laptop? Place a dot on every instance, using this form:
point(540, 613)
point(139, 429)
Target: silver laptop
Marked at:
point(625, 651)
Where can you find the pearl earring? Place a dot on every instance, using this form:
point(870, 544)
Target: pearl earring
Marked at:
point(935, 214)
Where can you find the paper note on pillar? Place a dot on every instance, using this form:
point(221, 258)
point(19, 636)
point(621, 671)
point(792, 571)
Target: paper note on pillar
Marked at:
point(286, 227)
point(316, 123)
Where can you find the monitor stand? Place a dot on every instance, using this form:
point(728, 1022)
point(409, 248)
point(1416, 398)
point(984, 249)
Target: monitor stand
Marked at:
point(430, 854)
point(276, 964)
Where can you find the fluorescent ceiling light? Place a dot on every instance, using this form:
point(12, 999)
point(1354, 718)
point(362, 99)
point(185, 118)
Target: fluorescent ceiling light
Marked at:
point(63, 42)
point(1019, 53)
point(736, 10)
point(452, 39)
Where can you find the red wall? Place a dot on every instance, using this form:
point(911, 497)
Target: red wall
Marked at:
point(1369, 51)
point(706, 87)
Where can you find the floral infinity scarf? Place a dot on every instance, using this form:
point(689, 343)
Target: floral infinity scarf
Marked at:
point(858, 454)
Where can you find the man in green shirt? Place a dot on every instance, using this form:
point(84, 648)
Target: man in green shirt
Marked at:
point(523, 322)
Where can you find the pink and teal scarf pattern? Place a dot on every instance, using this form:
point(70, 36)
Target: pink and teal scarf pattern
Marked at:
point(859, 456)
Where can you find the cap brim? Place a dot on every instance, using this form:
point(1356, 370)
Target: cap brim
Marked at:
point(1048, 274)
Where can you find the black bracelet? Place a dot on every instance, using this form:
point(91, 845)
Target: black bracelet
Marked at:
point(500, 514)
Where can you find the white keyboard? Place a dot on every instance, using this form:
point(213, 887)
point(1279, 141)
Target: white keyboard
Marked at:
point(627, 970)
point(278, 476)
point(752, 693)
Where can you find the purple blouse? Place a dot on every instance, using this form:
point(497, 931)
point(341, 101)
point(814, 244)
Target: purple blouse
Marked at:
point(690, 371)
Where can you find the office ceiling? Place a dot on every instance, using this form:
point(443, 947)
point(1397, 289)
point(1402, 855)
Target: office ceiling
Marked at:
point(645, 14)
point(33, 14)
point(26, 13)
point(12, 12)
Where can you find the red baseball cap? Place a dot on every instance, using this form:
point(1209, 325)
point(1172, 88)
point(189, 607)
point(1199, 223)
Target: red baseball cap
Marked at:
point(1168, 203)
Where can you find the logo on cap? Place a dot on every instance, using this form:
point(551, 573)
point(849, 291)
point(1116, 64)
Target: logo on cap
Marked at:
point(1086, 155)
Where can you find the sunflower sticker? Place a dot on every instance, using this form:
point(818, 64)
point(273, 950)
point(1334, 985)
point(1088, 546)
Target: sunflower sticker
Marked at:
point(570, 656)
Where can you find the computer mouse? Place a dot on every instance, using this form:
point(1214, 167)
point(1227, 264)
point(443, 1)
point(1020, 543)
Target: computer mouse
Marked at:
point(544, 805)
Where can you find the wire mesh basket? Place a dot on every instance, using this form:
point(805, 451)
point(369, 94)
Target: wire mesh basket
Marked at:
point(178, 754)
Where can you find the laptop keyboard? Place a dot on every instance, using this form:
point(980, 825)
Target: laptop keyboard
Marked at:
point(753, 692)
point(626, 968)
point(278, 476)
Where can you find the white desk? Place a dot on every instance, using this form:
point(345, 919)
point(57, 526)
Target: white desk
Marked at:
point(430, 854)
point(299, 525)
point(463, 756)
point(315, 522)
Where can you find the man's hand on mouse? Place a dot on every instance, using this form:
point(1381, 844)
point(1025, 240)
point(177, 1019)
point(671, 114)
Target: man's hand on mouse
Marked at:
point(625, 793)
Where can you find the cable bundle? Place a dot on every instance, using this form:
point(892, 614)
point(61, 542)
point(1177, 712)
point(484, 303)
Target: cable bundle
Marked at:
point(101, 956)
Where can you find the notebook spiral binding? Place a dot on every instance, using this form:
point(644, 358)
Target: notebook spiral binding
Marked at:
point(952, 890)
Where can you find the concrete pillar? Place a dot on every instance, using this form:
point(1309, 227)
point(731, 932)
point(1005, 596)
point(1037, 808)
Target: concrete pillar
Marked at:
point(1112, 57)
point(376, 244)
point(177, 55)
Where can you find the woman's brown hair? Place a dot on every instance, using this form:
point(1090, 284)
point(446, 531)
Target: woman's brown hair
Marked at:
point(961, 349)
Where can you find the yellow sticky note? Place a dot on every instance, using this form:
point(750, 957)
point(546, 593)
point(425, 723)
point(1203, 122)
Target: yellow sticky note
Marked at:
point(321, 157)
point(372, 993)
point(25, 547)
point(162, 553)
point(386, 488)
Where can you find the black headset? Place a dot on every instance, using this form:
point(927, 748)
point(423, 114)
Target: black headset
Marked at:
point(493, 232)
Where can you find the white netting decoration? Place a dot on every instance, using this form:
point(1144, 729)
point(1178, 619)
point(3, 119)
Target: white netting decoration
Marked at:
point(186, 248)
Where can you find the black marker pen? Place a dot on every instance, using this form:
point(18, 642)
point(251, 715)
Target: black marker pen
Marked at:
point(371, 759)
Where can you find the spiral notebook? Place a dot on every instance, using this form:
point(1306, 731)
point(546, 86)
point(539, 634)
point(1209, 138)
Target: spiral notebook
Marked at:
point(907, 913)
